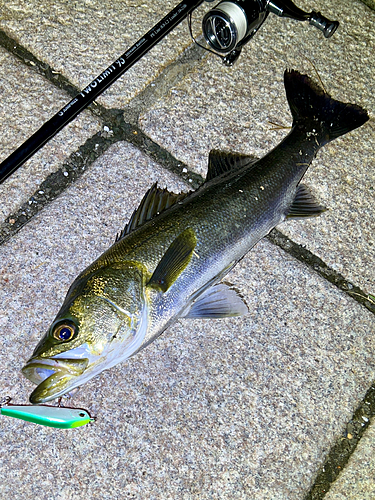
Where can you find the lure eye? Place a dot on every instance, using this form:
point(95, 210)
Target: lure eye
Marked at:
point(65, 331)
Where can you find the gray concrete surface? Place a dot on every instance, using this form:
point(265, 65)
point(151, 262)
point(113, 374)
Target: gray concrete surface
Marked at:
point(245, 408)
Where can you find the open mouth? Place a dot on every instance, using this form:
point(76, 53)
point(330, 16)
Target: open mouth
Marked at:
point(54, 377)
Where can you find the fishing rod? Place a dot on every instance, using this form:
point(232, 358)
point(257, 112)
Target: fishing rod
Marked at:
point(96, 87)
point(226, 29)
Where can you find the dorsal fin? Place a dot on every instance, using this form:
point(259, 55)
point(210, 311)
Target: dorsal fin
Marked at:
point(224, 161)
point(155, 201)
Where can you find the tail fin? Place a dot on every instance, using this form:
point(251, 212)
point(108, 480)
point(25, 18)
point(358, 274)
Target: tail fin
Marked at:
point(313, 109)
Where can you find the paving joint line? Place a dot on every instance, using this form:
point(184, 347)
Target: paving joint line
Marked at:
point(193, 57)
point(27, 58)
point(304, 255)
point(344, 447)
point(80, 162)
point(55, 184)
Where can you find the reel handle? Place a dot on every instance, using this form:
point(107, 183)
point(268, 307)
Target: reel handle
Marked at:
point(286, 8)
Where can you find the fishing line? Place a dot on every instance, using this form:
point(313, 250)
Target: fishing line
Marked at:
point(317, 74)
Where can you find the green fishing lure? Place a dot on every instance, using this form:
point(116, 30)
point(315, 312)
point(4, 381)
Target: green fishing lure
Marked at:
point(50, 416)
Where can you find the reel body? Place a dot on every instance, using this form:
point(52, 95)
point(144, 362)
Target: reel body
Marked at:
point(232, 23)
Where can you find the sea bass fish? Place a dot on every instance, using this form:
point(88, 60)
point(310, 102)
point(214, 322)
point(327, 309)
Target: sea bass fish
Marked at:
point(169, 260)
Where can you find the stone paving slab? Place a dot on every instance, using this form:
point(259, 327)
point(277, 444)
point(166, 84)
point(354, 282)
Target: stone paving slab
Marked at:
point(357, 480)
point(27, 101)
point(233, 409)
point(80, 40)
point(230, 108)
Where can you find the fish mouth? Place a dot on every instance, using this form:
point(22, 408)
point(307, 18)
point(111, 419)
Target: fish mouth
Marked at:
point(53, 376)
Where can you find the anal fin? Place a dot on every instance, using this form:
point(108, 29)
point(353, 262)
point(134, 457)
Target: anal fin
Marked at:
point(304, 204)
point(219, 301)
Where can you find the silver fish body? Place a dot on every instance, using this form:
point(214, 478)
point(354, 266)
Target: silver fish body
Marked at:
point(170, 258)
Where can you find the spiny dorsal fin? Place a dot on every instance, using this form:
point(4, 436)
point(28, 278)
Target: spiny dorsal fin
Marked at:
point(155, 201)
point(304, 204)
point(174, 261)
point(223, 161)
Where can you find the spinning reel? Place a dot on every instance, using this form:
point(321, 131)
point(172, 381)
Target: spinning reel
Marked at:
point(232, 23)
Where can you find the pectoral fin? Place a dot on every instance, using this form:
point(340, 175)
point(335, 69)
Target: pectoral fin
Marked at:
point(174, 261)
point(304, 204)
point(219, 301)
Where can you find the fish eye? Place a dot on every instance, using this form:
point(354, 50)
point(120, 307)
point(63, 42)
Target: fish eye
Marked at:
point(65, 331)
